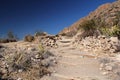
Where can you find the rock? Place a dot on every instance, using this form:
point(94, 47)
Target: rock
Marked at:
point(81, 56)
point(114, 39)
point(4, 71)
point(108, 68)
point(37, 56)
point(46, 63)
point(105, 73)
point(20, 70)
point(103, 36)
point(19, 79)
point(100, 68)
point(112, 50)
point(31, 49)
point(102, 65)
point(118, 57)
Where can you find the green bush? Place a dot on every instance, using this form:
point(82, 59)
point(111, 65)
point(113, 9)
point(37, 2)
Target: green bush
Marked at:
point(105, 31)
point(113, 31)
point(116, 31)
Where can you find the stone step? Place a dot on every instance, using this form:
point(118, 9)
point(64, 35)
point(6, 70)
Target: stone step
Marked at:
point(64, 45)
point(65, 41)
point(64, 77)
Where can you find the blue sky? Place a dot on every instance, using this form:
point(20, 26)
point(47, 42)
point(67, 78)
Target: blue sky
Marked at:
point(27, 16)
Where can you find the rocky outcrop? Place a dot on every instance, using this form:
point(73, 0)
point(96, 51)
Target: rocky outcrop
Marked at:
point(48, 40)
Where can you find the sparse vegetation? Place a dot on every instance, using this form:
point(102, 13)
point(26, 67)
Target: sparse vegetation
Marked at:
point(95, 27)
point(9, 38)
point(40, 33)
point(29, 38)
point(29, 65)
point(113, 31)
point(89, 28)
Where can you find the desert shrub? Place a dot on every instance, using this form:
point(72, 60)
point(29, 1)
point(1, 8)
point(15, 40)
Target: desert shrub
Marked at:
point(87, 25)
point(41, 48)
point(113, 31)
point(63, 34)
point(19, 61)
point(56, 35)
point(22, 61)
point(29, 38)
point(105, 31)
point(88, 28)
point(69, 34)
point(7, 40)
point(40, 33)
point(12, 36)
point(4, 41)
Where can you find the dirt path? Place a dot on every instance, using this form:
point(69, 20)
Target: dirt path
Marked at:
point(75, 65)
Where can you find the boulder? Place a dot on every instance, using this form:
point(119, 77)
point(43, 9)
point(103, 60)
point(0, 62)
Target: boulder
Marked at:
point(118, 57)
point(114, 39)
point(108, 68)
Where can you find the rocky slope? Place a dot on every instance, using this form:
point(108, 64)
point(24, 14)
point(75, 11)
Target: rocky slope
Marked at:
point(107, 14)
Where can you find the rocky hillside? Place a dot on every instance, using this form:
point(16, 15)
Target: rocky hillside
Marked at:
point(106, 15)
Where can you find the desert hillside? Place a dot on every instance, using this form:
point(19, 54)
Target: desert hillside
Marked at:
point(87, 50)
point(106, 15)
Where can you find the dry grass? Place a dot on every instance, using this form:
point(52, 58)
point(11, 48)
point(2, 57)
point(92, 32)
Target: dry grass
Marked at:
point(32, 68)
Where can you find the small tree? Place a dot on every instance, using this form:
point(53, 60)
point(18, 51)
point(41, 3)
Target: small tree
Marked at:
point(11, 35)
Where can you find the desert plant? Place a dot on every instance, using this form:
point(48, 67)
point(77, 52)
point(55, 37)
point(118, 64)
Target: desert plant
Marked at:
point(113, 31)
point(88, 28)
point(12, 36)
point(63, 34)
point(88, 25)
point(7, 40)
point(105, 31)
point(40, 33)
point(41, 48)
point(71, 34)
point(19, 61)
point(29, 38)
